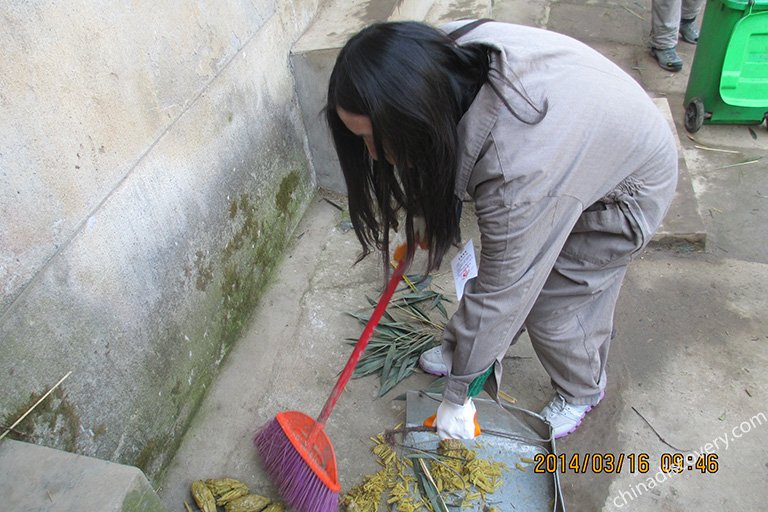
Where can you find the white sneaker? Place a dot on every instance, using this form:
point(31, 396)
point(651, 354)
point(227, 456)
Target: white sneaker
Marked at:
point(564, 417)
point(432, 362)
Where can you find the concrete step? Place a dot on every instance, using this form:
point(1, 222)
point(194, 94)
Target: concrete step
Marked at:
point(36, 479)
point(314, 54)
point(683, 223)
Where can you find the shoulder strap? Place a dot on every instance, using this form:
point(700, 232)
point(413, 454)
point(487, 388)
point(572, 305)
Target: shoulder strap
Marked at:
point(462, 30)
point(462, 180)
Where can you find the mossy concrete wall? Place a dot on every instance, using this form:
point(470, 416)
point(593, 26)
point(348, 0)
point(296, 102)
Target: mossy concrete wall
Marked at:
point(153, 164)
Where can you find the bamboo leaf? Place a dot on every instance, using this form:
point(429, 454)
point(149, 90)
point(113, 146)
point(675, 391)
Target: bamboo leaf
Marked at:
point(437, 385)
point(388, 316)
point(419, 312)
point(437, 303)
point(427, 485)
point(387, 385)
point(405, 332)
point(412, 300)
point(368, 367)
point(400, 370)
point(442, 310)
point(378, 343)
point(401, 367)
point(420, 281)
point(407, 368)
point(395, 325)
point(422, 345)
point(362, 317)
point(389, 331)
point(388, 362)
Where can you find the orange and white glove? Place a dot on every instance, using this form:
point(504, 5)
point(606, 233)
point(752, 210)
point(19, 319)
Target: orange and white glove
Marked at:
point(454, 421)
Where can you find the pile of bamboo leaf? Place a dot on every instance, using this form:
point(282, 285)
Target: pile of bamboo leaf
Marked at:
point(426, 480)
point(412, 324)
point(233, 495)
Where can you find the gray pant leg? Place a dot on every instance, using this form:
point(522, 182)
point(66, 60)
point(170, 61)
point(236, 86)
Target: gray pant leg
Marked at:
point(571, 322)
point(691, 9)
point(665, 23)
point(571, 325)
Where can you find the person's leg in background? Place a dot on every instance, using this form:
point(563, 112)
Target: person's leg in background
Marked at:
point(665, 24)
point(689, 32)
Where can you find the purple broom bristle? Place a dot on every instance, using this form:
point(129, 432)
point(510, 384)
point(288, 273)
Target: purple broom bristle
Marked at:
point(299, 486)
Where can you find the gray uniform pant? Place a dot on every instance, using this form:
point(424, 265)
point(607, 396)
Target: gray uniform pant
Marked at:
point(665, 20)
point(571, 323)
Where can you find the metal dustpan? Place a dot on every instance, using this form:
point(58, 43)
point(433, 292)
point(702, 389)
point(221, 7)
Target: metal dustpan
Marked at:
point(510, 435)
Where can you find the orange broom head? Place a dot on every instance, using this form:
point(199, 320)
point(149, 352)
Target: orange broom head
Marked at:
point(311, 442)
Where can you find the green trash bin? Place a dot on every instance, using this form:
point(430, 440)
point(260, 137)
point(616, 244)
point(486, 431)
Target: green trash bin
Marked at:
point(728, 83)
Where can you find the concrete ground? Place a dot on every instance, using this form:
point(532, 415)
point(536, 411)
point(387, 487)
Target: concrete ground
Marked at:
point(687, 371)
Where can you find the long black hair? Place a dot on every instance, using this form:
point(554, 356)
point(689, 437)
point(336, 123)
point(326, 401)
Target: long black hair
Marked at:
point(414, 83)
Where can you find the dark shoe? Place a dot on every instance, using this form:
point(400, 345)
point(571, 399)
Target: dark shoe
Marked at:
point(688, 31)
point(668, 58)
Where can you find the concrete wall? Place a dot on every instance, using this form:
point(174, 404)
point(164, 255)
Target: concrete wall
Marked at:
point(153, 163)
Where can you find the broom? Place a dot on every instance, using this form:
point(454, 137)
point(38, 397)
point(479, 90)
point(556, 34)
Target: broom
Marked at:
point(294, 448)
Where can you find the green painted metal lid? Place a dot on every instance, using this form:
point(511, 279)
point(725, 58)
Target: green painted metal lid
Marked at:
point(744, 79)
point(742, 5)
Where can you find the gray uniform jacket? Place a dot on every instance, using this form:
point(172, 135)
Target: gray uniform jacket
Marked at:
point(530, 183)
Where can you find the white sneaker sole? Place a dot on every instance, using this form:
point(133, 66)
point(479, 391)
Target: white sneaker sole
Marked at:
point(563, 434)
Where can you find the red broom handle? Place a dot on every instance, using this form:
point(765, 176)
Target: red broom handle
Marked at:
point(346, 373)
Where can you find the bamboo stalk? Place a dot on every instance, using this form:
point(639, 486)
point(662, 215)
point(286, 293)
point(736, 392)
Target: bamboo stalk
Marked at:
point(700, 145)
point(507, 397)
point(705, 148)
point(630, 11)
point(738, 164)
point(405, 277)
point(2, 436)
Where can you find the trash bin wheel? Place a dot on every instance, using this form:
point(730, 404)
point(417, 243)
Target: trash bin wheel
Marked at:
point(694, 115)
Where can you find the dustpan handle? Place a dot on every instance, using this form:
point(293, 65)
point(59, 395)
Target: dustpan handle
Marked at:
point(365, 337)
